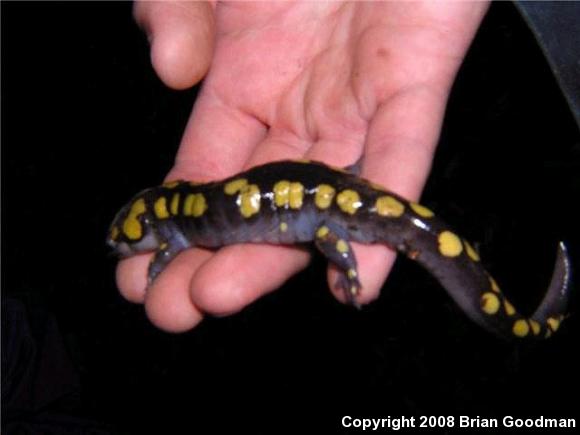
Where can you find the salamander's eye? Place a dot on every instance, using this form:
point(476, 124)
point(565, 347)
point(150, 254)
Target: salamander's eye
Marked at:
point(132, 230)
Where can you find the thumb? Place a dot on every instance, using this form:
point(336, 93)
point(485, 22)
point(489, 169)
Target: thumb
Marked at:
point(181, 35)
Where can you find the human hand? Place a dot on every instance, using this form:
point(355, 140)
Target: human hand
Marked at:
point(325, 81)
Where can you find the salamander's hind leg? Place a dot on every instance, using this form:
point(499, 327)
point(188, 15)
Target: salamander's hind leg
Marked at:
point(174, 243)
point(332, 242)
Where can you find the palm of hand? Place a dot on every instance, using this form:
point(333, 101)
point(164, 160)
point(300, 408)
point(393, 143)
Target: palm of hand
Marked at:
point(327, 81)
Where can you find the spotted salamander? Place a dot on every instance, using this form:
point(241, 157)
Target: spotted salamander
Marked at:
point(292, 202)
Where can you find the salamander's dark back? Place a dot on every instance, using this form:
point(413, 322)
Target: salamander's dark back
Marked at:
point(293, 202)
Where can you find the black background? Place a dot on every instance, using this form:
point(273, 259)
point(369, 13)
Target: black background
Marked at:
point(86, 124)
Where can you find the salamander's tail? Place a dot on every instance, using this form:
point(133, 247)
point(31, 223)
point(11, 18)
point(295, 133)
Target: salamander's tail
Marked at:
point(457, 266)
point(414, 230)
point(496, 313)
point(550, 313)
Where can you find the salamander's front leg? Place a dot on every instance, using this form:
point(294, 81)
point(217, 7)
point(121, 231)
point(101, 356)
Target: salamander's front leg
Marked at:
point(175, 242)
point(332, 242)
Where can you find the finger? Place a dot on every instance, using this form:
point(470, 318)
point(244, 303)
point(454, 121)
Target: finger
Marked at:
point(132, 277)
point(238, 275)
point(401, 141)
point(181, 35)
point(217, 141)
point(172, 312)
point(398, 155)
point(168, 303)
point(339, 128)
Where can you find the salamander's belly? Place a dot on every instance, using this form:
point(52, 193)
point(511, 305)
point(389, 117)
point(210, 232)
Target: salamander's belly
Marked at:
point(296, 202)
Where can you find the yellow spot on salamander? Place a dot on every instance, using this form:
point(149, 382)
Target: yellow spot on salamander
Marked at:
point(490, 303)
point(199, 206)
point(535, 326)
point(349, 201)
point(174, 206)
point(342, 246)
point(160, 208)
point(494, 285)
point(351, 273)
point(296, 195)
point(472, 253)
point(249, 201)
point(281, 193)
point(421, 210)
point(324, 196)
point(449, 244)
point(194, 205)
point(553, 323)
point(521, 328)
point(322, 232)
point(509, 308)
point(188, 204)
point(283, 227)
point(114, 233)
point(288, 194)
point(131, 226)
point(389, 206)
point(234, 186)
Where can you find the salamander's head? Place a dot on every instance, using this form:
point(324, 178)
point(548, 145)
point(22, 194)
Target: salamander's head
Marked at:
point(132, 229)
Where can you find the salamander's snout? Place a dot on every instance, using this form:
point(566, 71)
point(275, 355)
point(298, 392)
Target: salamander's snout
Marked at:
point(132, 231)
